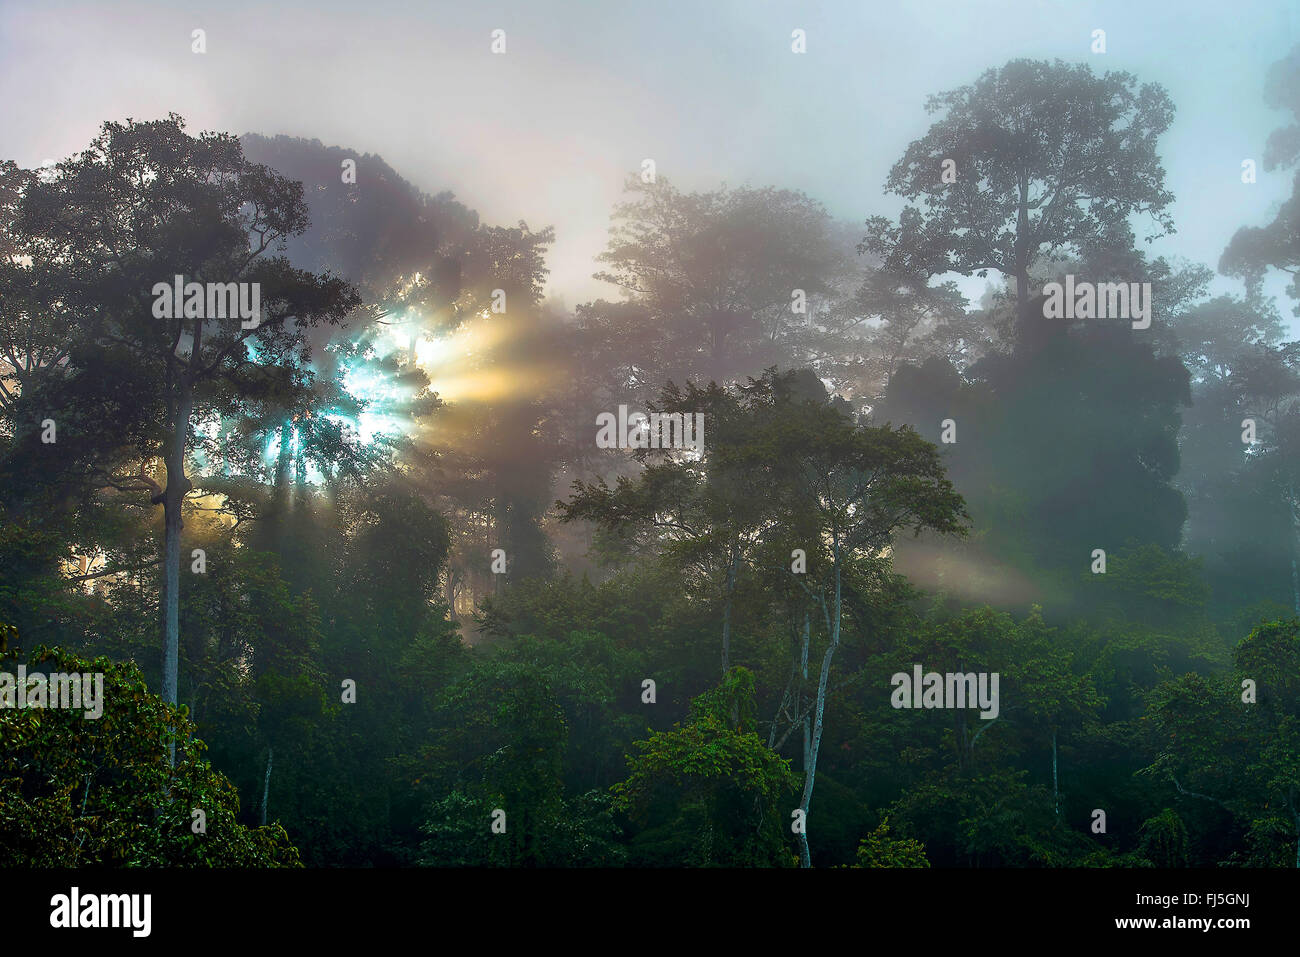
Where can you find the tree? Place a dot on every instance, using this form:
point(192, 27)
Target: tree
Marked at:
point(431, 269)
point(1048, 156)
point(710, 789)
point(880, 849)
point(913, 320)
point(81, 792)
point(704, 513)
point(1254, 250)
point(848, 488)
point(1232, 750)
point(499, 745)
point(1062, 447)
point(146, 202)
point(717, 272)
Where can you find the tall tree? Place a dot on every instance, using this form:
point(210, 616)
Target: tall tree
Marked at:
point(727, 278)
point(1254, 250)
point(1048, 157)
point(859, 485)
point(144, 203)
point(1268, 375)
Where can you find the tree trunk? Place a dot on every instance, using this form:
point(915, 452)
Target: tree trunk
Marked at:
point(299, 477)
point(1022, 300)
point(283, 458)
point(1295, 545)
point(1295, 583)
point(173, 497)
point(1024, 259)
point(726, 614)
point(1056, 794)
point(451, 593)
point(803, 672)
point(266, 784)
point(1295, 817)
point(805, 857)
point(332, 488)
point(498, 523)
point(810, 774)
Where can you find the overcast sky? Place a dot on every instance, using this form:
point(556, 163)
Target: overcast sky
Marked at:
point(586, 90)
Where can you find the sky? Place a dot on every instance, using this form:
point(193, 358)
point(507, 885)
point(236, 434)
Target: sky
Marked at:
point(548, 131)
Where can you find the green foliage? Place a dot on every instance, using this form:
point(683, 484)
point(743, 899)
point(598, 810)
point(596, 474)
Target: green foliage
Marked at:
point(881, 849)
point(78, 792)
point(709, 791)
point(500, 739)
point(1164, 840)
